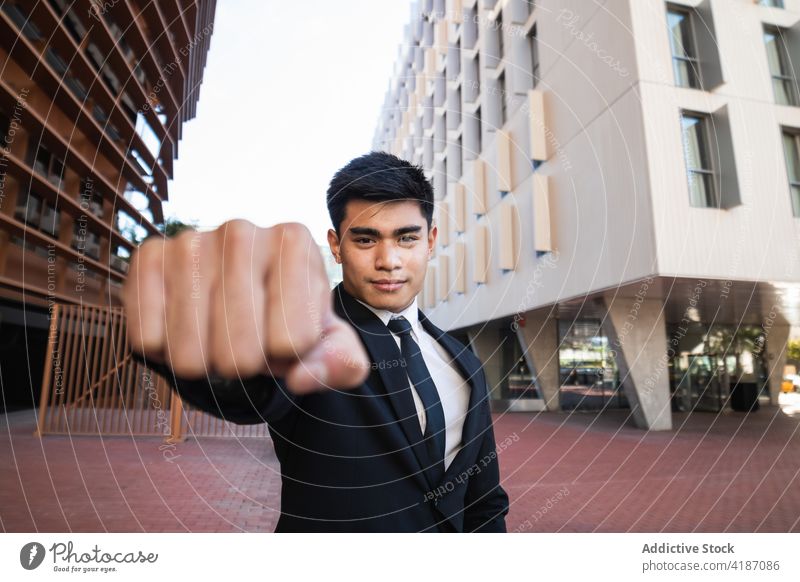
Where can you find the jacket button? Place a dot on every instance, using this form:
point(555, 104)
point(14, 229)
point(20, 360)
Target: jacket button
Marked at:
point(436, 502)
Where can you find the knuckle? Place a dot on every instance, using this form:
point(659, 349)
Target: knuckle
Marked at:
point(293, 232)
point(144, 256)
point(237, 232)
point(183, 244)
point(239, 363)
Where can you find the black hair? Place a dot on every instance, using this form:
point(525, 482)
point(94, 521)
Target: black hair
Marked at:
point(382, 177)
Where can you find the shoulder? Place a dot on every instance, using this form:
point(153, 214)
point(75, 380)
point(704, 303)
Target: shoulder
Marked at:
point(456, 346)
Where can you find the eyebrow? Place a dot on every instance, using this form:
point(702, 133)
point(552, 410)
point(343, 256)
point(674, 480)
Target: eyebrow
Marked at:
point(364, 230)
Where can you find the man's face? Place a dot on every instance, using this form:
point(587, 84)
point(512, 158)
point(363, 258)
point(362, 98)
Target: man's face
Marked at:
point(384, 249)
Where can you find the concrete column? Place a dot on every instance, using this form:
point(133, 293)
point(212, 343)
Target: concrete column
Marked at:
point(486, 343)
point(538, 334)
point(637, 336)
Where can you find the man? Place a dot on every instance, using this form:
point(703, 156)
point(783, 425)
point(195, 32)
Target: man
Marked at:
point(379, 419)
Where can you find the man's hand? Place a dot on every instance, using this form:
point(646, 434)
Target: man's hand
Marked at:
point(240, 301)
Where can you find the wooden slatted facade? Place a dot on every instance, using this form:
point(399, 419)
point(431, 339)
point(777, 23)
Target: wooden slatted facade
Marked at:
point(93, 97)
point(92, 386)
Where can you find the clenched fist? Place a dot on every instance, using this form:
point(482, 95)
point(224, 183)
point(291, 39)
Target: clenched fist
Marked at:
point(240, 301)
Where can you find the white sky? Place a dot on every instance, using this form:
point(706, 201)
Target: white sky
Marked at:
point(291, 92)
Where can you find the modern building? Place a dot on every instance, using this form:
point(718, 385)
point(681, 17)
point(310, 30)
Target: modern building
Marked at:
point(618, 195)
point(93, 96)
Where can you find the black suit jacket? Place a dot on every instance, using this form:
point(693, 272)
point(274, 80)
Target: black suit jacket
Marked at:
point(347, 464)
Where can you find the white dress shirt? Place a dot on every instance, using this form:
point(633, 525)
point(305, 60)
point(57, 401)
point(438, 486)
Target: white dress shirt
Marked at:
point(453, 390)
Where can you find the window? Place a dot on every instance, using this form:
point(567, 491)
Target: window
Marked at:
point(38, 213)
point(783, 83)
point(493, 54)
point(501, 89)
point(697, 152)
point(461, 157)
point(695, 50)
point(499, 24)
point(469, 28)
point(5, 125)
point(29, 209)
point(453, 111)
point(46, 164)
point(472, 135)
point(479, 133)
point(772, 3)
point(21, 21)
point(77, 88)
point(533, 43)
point(84, 240)
point(454, 60)
point(684, 56)
point(90, 198)
point(791, 147)
point(50, 220)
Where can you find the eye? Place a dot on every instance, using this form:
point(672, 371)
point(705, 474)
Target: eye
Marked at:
point(409, 238)
point(362, 240)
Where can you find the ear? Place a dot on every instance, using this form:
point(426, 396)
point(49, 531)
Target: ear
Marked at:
point(333, 243)
point(433, 233)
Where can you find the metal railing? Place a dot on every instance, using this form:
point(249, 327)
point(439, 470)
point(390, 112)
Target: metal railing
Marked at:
point(92, 386)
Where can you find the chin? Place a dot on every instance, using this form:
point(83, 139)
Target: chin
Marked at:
point(389, 301)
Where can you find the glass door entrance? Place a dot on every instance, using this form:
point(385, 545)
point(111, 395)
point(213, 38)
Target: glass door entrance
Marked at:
point(702, 383)
point(715, 368)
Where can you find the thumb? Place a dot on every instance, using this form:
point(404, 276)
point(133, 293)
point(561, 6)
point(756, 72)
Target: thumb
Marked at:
point(337, 361)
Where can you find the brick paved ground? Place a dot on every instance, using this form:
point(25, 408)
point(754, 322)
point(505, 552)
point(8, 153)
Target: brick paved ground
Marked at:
point(563, 472)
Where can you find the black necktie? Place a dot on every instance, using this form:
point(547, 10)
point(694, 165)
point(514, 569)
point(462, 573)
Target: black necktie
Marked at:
point(434, 436)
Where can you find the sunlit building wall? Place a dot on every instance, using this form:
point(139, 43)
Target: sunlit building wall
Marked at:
point(618, 195)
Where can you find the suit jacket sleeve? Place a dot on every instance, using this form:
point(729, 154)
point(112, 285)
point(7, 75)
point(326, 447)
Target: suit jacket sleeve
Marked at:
point(242, 401)
point(486, 502)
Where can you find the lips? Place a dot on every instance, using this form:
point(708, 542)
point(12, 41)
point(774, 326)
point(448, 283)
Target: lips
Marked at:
point(388, 285)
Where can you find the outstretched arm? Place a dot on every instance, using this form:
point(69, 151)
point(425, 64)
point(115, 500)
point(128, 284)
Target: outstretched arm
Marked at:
point(253, 400)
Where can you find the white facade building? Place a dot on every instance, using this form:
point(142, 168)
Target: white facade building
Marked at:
point(618, 195)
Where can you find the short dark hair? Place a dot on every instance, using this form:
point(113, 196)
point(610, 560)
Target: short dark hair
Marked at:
point(382, 177)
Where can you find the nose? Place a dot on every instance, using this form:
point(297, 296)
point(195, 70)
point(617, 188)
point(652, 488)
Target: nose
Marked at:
point(387, 257)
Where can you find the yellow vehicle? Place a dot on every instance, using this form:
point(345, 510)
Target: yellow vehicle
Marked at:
point(789, 378)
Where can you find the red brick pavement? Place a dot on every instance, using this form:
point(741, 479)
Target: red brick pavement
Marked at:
point(563, 472)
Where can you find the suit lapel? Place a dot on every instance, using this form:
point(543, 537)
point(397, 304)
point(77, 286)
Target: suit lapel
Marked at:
point(382, 348)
